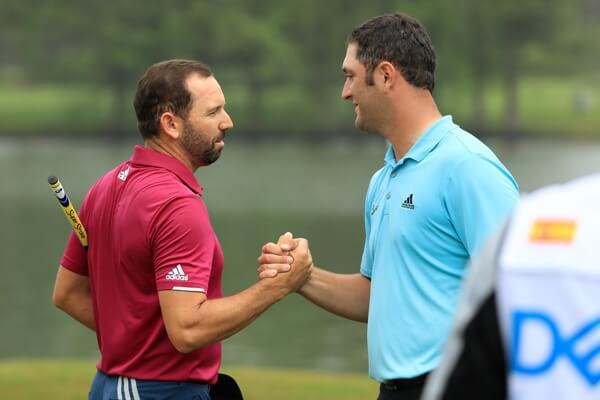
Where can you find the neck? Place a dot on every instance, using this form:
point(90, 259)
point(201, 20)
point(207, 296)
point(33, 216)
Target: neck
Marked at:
point(411, 119)
point(171, 149)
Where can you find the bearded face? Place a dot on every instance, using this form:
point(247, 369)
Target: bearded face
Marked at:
point(203, 148)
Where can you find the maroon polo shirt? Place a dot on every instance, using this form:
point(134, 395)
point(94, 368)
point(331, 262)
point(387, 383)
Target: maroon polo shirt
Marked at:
point(149, 230)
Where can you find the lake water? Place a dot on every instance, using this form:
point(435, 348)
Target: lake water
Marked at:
point(254, 193)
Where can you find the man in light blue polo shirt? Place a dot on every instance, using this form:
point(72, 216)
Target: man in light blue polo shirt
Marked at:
point(425, 215)
point(439, 196)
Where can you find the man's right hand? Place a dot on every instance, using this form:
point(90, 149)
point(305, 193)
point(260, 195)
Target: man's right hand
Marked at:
point(289, 260)
point(276, 257)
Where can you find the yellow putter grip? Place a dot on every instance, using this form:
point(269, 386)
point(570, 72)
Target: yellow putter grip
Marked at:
point(68, 209)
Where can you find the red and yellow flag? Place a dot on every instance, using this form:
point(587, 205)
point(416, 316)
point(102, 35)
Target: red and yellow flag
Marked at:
point(553, 231)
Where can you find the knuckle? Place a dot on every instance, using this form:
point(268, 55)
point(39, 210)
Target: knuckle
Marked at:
point(267, 247)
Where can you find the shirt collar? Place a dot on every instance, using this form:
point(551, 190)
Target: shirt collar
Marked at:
point(424, 144)
point(149, 157)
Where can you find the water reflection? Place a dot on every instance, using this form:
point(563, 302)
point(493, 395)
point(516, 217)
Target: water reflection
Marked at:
point(254, 193)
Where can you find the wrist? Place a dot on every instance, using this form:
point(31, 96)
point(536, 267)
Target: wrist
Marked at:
point(306, 287)
point(274, 287)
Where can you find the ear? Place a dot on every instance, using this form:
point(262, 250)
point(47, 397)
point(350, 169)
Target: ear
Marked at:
point(387, 74)
point(171, 125)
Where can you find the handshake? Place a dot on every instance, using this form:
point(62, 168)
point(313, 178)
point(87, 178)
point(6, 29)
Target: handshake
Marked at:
point(288, 262)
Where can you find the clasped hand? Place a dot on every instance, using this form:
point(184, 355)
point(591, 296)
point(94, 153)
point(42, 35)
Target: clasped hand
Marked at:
point(289, 256)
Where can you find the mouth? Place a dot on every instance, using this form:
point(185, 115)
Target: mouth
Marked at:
point(220, 139)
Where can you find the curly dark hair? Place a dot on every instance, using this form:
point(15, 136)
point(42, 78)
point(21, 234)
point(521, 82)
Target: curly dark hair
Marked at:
point(161, 89)
point(401, 40)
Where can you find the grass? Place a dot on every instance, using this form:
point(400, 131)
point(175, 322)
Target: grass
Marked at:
point(550, 108)
point(547, 106)
point(53, 108)
point(70, 379)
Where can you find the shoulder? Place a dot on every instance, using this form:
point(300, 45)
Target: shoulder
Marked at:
point(377, 177)
point(104, 181)
point(462, 145)
point(468, 159)
point(179, 217)
point(376, 181)
point(156, 185)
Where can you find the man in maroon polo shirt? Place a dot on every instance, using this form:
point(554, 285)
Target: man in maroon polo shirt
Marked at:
point(149, 282)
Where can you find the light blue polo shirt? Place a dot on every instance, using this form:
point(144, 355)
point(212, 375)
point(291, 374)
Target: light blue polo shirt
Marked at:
point(425, 215)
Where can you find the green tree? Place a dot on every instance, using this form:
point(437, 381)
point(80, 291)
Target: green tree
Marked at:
point(280, 62)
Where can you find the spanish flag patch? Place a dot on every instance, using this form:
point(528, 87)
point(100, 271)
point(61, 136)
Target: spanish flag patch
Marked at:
point(552, 231)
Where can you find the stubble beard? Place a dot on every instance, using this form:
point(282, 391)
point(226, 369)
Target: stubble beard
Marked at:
point(365, 125)
point(201, 148)
point(369, 116)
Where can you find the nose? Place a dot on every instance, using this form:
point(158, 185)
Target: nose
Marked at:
point(346, 91)
point(227, 124)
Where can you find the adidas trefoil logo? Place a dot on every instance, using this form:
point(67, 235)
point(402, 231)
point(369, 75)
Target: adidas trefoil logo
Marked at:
point(408, 203)
point(177, 274)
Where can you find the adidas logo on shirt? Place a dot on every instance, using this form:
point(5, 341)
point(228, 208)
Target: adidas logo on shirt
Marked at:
point(177, 274)
point(123, 174)
point(408, 203)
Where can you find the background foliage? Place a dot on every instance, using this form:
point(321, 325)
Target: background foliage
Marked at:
point(69, 67)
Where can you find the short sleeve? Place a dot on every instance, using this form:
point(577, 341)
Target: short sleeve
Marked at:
point(366, 263)
point(480, 195)
point(183, 245)
point(75, 256)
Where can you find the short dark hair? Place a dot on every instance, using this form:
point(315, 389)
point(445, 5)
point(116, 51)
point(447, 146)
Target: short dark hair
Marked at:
point(161, 89)
point(400, 40)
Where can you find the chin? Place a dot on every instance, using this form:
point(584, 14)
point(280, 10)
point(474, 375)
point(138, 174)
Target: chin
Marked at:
point(209, 158)
point(360, 124)
point(367, 128)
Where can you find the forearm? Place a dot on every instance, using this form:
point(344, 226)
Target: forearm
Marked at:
point(220, 318)
point(210, 321)
point(192, 321)
point(80, 309)
point(346, 295)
